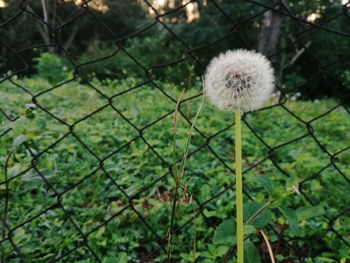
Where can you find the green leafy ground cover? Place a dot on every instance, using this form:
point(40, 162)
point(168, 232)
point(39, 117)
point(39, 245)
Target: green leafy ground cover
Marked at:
point(93, 200)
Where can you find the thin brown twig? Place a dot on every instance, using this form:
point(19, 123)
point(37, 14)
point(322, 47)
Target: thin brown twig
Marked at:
point(266, 239)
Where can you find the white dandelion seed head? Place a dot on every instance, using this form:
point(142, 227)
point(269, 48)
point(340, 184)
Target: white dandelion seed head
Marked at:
point(239, 80)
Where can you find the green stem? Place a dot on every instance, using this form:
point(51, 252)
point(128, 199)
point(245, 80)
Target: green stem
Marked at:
point(179, 173)
point(239, 188)
point(259, 211)
point(176, 178)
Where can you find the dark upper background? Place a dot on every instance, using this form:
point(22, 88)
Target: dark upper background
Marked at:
point(312, 60)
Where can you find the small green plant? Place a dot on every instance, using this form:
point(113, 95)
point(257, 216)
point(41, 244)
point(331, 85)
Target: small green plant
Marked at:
point(50, 67)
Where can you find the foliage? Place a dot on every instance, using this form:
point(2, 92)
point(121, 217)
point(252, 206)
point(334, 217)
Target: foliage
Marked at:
point(67, 171)
point(51, 68)
point(306, 63)
point(107, 61)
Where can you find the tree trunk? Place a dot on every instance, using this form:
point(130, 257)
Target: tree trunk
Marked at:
point(270, 37)
point(46, 35)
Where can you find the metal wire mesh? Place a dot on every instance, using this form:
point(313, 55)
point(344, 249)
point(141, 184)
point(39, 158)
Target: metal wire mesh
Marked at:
point(159, 243)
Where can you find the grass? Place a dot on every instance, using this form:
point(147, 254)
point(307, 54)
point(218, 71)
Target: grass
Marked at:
point(66, 194)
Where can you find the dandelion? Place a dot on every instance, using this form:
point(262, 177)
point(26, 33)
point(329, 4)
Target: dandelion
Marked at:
point(239, 81)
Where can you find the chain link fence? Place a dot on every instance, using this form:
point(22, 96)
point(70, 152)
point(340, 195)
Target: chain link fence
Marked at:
point(66, 211)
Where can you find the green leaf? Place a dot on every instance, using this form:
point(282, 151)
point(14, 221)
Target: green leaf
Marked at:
point(19, 140)
point(249, 229)
point(278, 194)
point(292, 218)
point(123, 257)
point(266, 182)
point(217, 251)
point(260, 220)
point(251, 253)
point(19, 235)
point(326, 260)
point(33, 177)
point(307, 212)
point(226, 233)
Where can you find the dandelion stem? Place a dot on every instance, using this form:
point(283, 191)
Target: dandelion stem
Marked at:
point(239, 187)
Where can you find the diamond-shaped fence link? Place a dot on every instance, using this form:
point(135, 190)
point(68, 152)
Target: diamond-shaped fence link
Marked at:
point(56, 206)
